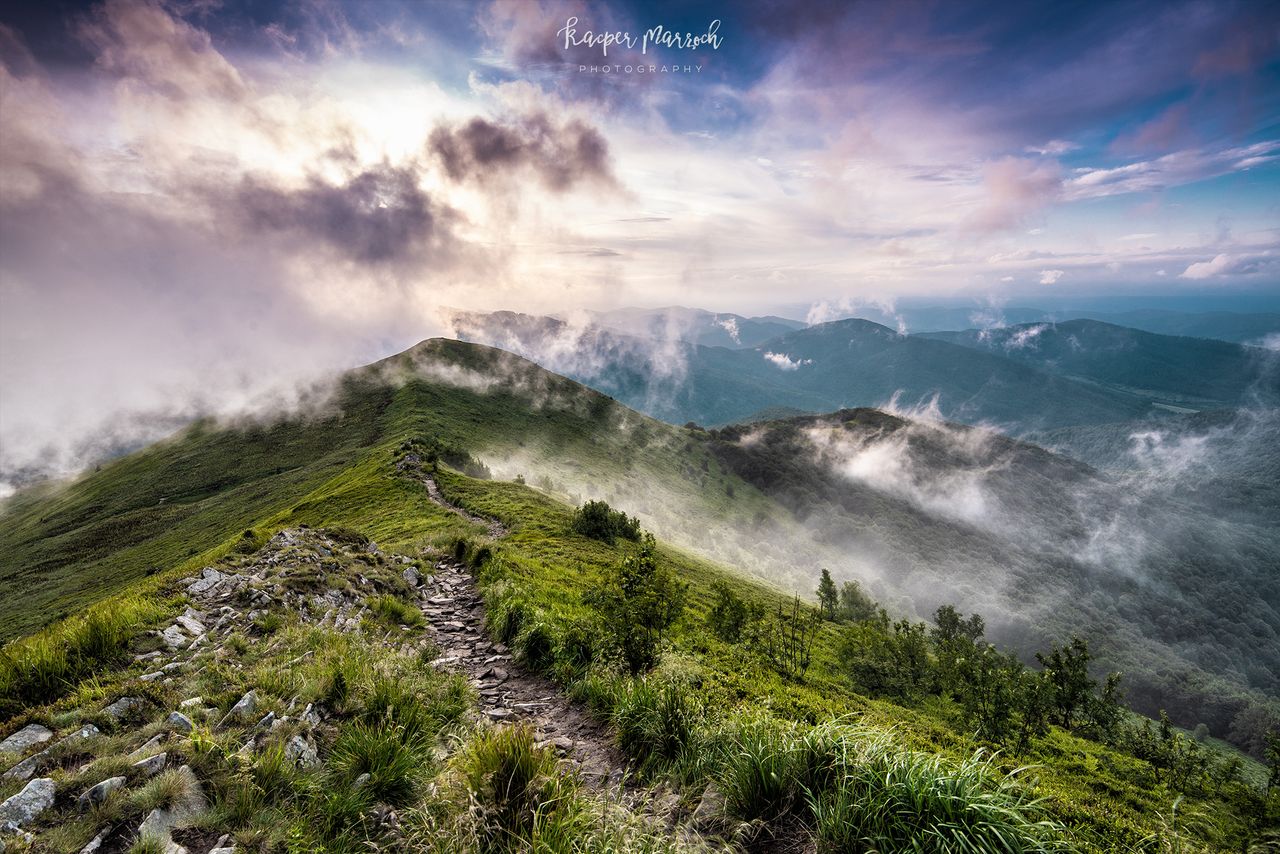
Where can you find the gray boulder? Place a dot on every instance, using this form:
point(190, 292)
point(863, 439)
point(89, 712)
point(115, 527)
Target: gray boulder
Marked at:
point(26, 738)
point(180, 722)
point(242, 710)
point(36, 797)
point(152, 765)
point(120, 707)
point(97, 794)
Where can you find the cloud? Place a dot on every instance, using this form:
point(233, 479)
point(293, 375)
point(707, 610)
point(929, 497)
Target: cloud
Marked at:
point(1228, 265)
point(560, 154)
point(379, 215)
point(1051, 277)
point(144, 44)
point(785, 362)
point(1054, 148)
point(1171, 170)
point(1014, 189)
point(730, 325)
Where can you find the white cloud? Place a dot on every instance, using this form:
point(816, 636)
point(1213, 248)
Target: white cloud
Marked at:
point(1051, 277)
point(1053, 148)
point(785, 362)
point(1227, 265)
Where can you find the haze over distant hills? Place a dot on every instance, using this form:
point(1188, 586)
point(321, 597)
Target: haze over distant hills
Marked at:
point(1018, 378)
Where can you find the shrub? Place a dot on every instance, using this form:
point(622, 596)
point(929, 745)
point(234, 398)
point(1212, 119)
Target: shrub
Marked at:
point(785, 638)
point(536, 646)
point(599, 521)
point(655, 723)
point(639, 602)
point(759, 774)
point(728, 615)
point(396, 758)
point(889, 800)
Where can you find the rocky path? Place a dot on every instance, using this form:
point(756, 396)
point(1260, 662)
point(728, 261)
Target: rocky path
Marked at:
point(507, 692)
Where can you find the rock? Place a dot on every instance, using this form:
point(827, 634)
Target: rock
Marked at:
point(173, 637)
point(498, 714)
point(159, 822)
point(151, 677)
point(96, 843)
point(266, 722)
point(710, 811)
point(24, 739)
point(412, 577)
point(361, 780)
point(207, 581)
point(301, 752)
point(190, 702)
point(147, 656)
point(152, 765)
point(175, 848)
point(97, 794)
point(192, 626)
point(117, 710)
point(180, 722)
point(172, 667)
point(151, 744)
point(242, 710)
point(35, 798)
point(563, 744)
point(311, 715)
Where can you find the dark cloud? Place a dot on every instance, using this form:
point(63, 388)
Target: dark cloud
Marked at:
point(380, 215)
point(561, 155)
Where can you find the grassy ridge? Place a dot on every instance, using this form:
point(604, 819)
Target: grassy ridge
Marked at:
point(338, 471)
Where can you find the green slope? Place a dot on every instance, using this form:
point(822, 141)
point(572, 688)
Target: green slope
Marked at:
point(186, 502)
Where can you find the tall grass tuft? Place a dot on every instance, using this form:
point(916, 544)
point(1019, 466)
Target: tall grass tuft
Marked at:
point(513, 786)
point(890, 800)
point(656, 721)
point(40, 668)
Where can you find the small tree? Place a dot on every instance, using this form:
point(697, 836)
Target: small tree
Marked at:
point(599, 521)
point(639, 602)
point(989, 691)
point(955, 641)
point(855, 604)
point(1272, 754)
point(728, 615)
point(1068, 672)
point(828, 595)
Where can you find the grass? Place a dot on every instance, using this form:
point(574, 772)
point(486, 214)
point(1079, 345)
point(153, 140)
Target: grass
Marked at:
point(710, 713)
point(41, 667)
point(395, 612)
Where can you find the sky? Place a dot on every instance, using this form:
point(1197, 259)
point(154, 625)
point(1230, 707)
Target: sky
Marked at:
point(203, 203)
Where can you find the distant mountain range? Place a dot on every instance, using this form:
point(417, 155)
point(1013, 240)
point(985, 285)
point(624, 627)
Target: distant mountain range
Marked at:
point(1236, 327)
point(1022, 378)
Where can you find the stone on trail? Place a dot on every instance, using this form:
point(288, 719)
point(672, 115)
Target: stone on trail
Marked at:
point(25, 738)
point(97, 794)
point(36, 797)
point(180, 722)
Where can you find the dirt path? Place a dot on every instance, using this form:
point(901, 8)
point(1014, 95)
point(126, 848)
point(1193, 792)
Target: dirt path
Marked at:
point(507, 692)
